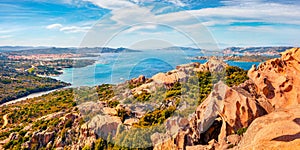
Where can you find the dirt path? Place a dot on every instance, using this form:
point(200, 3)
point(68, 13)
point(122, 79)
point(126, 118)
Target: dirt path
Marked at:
point(5, 121)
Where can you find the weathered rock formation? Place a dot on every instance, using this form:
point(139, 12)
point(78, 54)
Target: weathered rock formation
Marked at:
point(273, 91)
point(235, 106)
point(278, 79)
point(224, 112)
point(100, 126)
point(277, 130)
point(183, 71)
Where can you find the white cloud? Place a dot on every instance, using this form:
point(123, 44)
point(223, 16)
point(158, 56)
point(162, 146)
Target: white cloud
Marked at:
point(177, 2)
point(252, 29)
point(75, 29)
point(132, 15)
point(263, 12)
point(141, 27)
point(69, 29)
point(54, 26)
point(112, 4)
point(192, 22)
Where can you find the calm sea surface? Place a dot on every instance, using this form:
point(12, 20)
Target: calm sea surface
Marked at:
point(118, 67)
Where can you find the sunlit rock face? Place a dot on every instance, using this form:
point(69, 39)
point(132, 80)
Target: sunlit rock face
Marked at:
point(279, 129)
point(263, 104)
point(278, 79)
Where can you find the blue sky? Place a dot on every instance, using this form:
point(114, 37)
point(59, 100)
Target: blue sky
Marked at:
point(150, 23)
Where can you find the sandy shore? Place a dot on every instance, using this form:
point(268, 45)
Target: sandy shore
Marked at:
point(28, 97)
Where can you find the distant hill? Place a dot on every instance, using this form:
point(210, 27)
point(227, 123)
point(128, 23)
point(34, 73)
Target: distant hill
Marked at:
point(27, 50)
point(256, 50)
point(180, 48)
point(55, 50)
point(19, 48)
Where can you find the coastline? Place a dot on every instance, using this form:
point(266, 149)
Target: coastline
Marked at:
point(37, 94)
point(42, 92)
point(32, 95)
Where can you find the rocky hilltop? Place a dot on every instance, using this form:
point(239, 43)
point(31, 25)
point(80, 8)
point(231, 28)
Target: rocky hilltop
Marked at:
point(195, 106)
point(278, 79)
point(266, 107)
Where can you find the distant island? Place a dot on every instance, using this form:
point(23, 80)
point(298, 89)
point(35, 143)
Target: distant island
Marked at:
point(255, 51)
point(251, 58)
point(61, 50)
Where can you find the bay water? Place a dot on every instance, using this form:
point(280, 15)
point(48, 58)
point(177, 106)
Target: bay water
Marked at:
point(115, 68)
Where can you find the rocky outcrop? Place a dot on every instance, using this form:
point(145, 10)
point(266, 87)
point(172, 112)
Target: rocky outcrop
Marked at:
point(277, 130)
point(139, 80)
point(272, 89)
point(224, 112)
point(278, 79)
point(236, 108)
point(174, 138)
point(182, 72)
point(42, 138)
point(216, 65)
point(101, 126)
point(170, 78)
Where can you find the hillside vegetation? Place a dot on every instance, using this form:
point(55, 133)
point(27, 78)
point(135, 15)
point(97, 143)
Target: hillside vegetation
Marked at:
point(62, 114)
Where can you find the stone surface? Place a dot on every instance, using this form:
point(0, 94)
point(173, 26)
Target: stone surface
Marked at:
point(101, 126)
point(234, 105)
point(169, 78)
point(216, 65)
point(278, 79)
point(213, 144)
point(162, 142)
point(233, 139)
point(183, 71)
point(279, 129)
point(110, 111)
point(131, 121)
point(42, 138)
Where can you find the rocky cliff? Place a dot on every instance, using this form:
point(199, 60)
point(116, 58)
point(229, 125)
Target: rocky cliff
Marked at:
point(266, 106)
point(278, 79)
point(279, 129)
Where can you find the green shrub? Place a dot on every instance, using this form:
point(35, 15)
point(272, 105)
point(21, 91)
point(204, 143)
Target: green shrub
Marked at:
point(100, 144)
point(122, 113)
point(113, 103)
point(143, 97)
point(69, 123)
point(86, 147)
point(157, 116)
point(235, 76)
point(241, 131)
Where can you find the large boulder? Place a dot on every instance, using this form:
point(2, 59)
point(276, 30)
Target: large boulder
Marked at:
point(278, 79)
point(170, 78)
point(42, 138)
point(223, 112)
point(174, 138)
point(235, 107)
point(101, 126)
point(277, 130)
point(182, 72)
point(216, 64)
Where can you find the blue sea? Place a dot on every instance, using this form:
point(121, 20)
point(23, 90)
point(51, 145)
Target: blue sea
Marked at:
point(118, 67)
